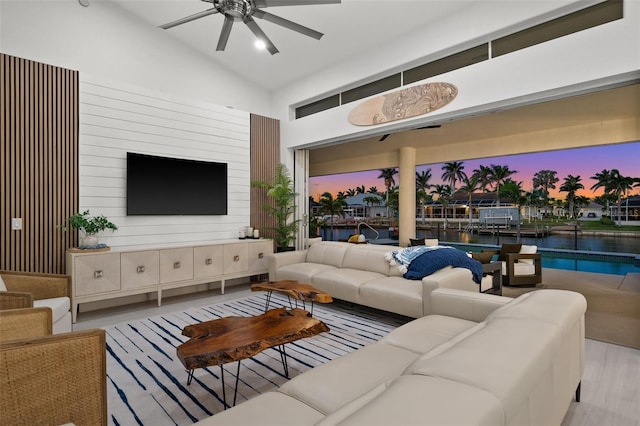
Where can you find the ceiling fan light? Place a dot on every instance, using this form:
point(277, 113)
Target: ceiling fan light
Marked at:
point(260, 45)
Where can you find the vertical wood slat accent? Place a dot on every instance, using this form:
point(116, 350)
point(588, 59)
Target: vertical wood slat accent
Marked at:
point(39, 160)
point(265, 154)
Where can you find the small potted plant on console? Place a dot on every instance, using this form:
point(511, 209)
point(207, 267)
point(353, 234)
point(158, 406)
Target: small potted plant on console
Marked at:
point(90, 226)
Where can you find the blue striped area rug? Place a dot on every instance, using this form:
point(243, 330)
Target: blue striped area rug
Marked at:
point(147, 383)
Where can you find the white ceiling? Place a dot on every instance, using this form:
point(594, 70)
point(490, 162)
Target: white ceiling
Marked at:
point(350, 28)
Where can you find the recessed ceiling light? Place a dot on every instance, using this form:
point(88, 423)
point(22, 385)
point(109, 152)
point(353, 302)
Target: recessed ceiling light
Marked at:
point(260, 45)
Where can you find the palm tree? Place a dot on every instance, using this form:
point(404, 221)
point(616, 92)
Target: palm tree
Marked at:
point(350, 192)
point(360, 189)
point(484, 177)
point(422, 184)
point(580, 201)
point(444, 196)
point(373, 190)
point(389, 181)
point(571, 185)
point(331, 206)
point(497, 175)
point(470, 185)
point(545, 180)
point(453, 172)
point(620, 185)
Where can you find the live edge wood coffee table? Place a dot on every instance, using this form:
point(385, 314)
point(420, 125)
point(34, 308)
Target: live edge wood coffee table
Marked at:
point(229, 339)
point(293, 289)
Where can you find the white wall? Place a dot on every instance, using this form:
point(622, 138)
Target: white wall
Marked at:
point(594, 58)
point(116, 118)
point(106, 41)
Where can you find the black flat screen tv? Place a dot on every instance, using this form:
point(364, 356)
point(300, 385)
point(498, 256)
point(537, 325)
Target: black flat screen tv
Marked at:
point(175, 186)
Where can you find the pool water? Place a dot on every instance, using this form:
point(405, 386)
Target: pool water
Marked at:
point(588, 265)
point(599, 262)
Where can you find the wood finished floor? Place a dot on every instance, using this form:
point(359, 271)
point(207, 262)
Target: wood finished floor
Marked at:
point(610, 385)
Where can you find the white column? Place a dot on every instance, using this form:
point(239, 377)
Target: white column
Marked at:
point(407, 200)
point(301, 186)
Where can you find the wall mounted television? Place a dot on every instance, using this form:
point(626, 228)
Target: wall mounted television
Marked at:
point(175, 186)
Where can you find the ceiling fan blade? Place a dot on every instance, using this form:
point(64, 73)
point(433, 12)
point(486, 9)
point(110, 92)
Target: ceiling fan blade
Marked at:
point(189, 18)
point(255, 29)
point(274, 3)
point(287, 24)
point(224, 34)
point(383, 137)
point(433, 126)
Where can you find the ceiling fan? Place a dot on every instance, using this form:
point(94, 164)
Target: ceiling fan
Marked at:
point(245, 11)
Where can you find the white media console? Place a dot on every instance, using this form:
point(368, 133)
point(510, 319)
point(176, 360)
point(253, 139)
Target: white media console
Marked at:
point(116, 273)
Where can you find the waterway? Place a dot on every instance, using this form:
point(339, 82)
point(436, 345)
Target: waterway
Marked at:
point(562, 242)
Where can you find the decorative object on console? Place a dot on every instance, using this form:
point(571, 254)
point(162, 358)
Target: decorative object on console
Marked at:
point(245, 10)
point(404, 103)
point(280, 191)
point(90, 226)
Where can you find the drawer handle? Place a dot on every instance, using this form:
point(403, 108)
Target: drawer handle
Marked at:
point(176, 265)
point(208, 261)
point(140, 269)
point(97, 274)
point(236, 258)
point(260, 255)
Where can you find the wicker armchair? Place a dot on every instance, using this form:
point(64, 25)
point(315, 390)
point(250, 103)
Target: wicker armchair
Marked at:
point(25, 323)
point(27, 289)
point(54, 380)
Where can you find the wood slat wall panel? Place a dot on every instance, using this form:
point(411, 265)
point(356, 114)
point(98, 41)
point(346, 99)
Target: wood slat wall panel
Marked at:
point(265, 154)
point(39, 159)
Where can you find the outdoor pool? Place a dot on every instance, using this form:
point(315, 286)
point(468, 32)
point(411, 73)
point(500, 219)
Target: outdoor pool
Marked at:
point(585, 261)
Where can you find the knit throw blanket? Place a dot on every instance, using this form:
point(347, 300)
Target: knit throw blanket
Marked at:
point(402, 258)
point(418, 262)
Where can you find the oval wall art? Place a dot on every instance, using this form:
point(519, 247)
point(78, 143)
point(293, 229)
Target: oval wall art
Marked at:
point(403, 103)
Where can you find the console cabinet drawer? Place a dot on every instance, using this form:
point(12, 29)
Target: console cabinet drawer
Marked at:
point(236, 258)
point(140, 269)
point(208, 261)
point(95, 274)
point(176, 264)
point(258, 252)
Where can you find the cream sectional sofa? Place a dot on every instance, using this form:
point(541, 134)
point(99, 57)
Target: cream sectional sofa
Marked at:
point(359, 273)
point(478, 359)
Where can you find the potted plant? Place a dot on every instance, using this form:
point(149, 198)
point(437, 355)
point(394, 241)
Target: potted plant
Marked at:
point(90, 226)
point(282, 207)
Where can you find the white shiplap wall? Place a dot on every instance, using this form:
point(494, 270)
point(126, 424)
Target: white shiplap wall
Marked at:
point(116, 118)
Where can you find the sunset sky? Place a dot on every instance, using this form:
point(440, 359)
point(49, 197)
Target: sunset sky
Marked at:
point(583, 162)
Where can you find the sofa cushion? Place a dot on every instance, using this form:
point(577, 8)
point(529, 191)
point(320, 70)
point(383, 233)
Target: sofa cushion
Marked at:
point(282, 411)
point(366, 258)
point(527, 249)
point(483, 257)
point(59, 306)
point(525, 352)
point(302, 272)
point(424, 334)
point(356, 373)
point(327, 253)
point(556, 307)
point(421, 400)
point(423, 242)
point(344, 283)
point(394, 294)
point(520, 268)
